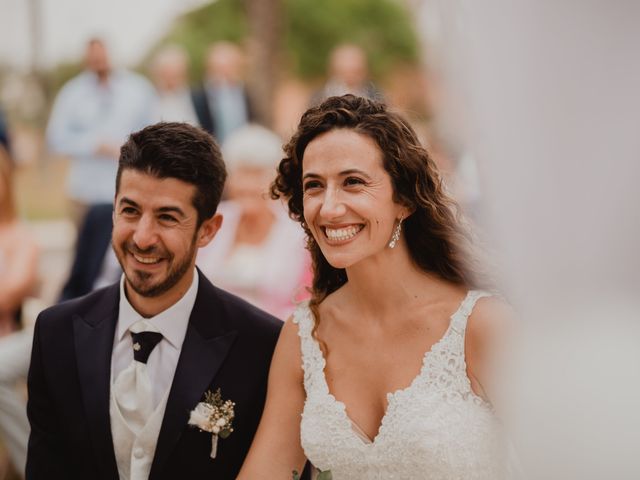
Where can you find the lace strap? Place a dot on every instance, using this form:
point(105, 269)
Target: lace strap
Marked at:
point(312, 359)
point(459, 319)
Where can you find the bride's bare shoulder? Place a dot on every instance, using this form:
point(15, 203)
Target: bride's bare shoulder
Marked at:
point(490, 319)
point(489, 328)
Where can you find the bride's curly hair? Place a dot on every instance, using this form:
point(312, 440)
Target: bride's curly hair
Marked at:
point(436, 235)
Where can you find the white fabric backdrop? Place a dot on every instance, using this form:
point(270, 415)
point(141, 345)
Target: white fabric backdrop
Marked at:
point(548, 96)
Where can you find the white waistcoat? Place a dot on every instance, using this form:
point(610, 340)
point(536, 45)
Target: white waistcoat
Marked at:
point(134, 453)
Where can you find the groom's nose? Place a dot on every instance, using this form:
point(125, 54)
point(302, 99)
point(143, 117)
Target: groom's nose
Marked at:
point(146, 232)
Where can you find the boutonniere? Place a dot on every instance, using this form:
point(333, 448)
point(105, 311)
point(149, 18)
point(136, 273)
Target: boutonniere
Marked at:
point(215, 416)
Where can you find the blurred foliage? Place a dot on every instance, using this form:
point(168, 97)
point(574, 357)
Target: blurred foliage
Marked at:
point(312, 28)
point(196, 30)
point(382, 28)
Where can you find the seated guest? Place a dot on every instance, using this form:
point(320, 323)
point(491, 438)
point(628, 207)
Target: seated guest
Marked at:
point(18, 277)
point(259, 252)
point(18, 254)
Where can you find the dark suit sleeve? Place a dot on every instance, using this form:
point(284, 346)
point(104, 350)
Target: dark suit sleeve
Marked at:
point(45, 455)
point(203, 112)
point(92, 244)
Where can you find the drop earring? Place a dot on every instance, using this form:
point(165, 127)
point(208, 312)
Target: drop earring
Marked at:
point(396, 234)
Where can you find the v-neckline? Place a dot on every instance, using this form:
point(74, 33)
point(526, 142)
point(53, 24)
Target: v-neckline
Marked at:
point(390, 395)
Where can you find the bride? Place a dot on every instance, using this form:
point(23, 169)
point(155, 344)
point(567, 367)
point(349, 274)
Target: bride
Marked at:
point(383, 374)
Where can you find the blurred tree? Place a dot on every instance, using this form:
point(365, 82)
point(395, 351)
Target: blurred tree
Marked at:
point(296, 36)
point(382, 28)
point(309, 30)
point(196, 30)
point(265, 22)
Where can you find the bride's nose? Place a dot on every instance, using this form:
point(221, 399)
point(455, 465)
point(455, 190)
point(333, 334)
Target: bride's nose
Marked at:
point(333, 205)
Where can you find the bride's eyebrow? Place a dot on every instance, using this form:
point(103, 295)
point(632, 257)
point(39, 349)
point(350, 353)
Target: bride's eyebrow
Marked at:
point(343, 173)
point(354, 171)
point(311, 175)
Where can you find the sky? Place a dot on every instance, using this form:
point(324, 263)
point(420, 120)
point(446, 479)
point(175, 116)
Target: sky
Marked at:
point(130, 27)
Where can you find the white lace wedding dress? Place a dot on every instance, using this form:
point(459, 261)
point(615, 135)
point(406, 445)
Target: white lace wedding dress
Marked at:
point(435, 429)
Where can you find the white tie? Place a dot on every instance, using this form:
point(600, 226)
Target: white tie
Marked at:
point(132, 388)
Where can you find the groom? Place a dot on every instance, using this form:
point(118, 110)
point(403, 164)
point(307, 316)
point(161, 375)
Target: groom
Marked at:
point(114, 375)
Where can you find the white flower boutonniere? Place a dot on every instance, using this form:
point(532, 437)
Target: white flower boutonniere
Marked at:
point(214, 415)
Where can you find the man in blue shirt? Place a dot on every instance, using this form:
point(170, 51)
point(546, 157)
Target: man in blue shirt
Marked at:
point(92, 116)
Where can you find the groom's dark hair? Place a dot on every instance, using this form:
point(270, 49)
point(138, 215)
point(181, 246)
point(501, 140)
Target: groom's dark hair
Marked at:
point(181, 151)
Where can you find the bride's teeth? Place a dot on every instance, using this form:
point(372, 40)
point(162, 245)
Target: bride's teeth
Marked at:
point(342, 233)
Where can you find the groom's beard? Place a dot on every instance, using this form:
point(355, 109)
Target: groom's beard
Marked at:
point(142, 282)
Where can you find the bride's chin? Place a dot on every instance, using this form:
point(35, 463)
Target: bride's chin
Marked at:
point(336, 262)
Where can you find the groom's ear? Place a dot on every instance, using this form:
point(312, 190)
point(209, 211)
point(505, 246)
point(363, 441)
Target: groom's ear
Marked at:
point(208, 230)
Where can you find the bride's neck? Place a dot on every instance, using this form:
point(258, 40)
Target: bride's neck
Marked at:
point(380, 286)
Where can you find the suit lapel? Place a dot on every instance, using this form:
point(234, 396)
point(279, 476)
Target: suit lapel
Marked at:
point(93, 337)
point(206, 345)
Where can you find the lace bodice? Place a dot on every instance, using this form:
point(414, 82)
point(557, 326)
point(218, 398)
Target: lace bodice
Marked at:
point(435, 429)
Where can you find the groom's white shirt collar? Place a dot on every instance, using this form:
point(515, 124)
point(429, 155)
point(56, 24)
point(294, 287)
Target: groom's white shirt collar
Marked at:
point(172, 322)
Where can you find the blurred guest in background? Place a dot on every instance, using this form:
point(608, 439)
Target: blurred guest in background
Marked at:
point(348, 73)
point(259, 252)
point(94, 263)
point(223, 103)
point(4, 131)
point(18, 277)
point(15, 352)
point(169, 70)
point(91, 117)
point(18, 254)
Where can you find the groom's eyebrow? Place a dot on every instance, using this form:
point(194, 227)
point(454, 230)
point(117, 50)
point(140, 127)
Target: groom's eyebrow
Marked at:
point(128, 201)
point(167, 209)
point(170, 209)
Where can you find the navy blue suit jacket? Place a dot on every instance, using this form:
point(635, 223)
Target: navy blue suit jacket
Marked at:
point(228, 345)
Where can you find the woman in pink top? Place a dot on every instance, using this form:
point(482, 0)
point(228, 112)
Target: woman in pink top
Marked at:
point(18, 253)
point(259, 253)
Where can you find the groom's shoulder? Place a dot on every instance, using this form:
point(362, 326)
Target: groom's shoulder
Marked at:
point(99, 300)
point(247, 317)
point(236, 313)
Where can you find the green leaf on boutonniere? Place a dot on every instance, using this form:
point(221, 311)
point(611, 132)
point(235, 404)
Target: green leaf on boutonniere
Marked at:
point(296, 475)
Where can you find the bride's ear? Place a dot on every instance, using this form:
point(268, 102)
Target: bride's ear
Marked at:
point(406, 212)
